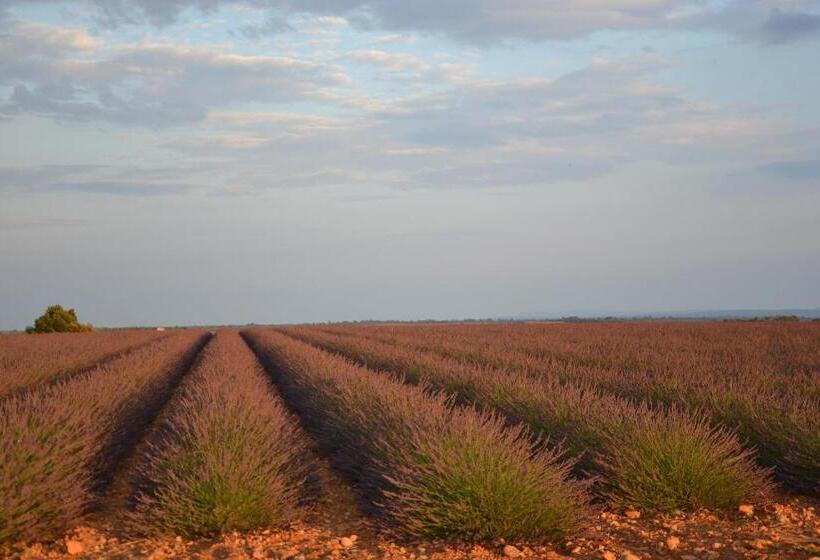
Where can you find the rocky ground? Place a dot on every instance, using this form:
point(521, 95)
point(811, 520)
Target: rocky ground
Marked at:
point(335, 529)
point(783, 529)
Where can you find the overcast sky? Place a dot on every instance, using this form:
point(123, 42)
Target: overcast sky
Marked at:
point(232, 161)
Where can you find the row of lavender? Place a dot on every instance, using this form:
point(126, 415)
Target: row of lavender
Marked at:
point(216, 450)
point(760, 380)
point(428, 466)
point(436, 445)
point(225, 455)
point(60, 443)
point(26, 360)
point(653, 458)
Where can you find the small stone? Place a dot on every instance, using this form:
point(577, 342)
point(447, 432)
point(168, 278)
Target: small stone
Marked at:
point(688, 557)
point(672, 543)
point(607, 555)
point(632, 514)
point(74, 547)
point(511, 552)
point(746, 509)
point(34, 552)
point(346, 542)
point(626, 555)
point(760, 544)
point(220, 552)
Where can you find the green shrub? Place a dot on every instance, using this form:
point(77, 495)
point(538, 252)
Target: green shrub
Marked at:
point(57, 319)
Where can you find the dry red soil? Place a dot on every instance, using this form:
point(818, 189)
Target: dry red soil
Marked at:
point(781, 529)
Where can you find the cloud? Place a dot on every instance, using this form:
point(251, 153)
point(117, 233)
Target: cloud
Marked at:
point(798, 170)
point(157, 12)
point(767, 22)
point(29, 51)
point(247, 132)
point(487, 21)
point(396, 38)
point(514, 170)
point(147, 84)
point(484, 134)
point(41, 223)
point(89, 179)
point(38, 38)
point(607, 97)
point(784, 27)
point(396, 62)
point(332, 21)
point(47, 101)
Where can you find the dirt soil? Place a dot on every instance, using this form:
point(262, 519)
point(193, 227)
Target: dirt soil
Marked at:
point(334, 530)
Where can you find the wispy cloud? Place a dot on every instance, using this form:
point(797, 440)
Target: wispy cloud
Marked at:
point(784, 27)
point(798, 170)
point(146, 84)
point(486, 134)
point(388, 60)
point(265, 121)
point(40, 223)
point(88, 179)
point(487, 21)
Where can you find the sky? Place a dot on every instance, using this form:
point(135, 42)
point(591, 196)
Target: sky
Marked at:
point(175, 162)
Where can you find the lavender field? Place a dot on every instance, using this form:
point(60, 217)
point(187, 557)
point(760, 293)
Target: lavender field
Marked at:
point(518, 436)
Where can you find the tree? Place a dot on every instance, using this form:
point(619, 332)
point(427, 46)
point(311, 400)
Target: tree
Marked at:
point(57, 319)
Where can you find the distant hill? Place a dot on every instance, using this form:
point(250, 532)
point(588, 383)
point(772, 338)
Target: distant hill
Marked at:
point(744, 313)
point(811, 313)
